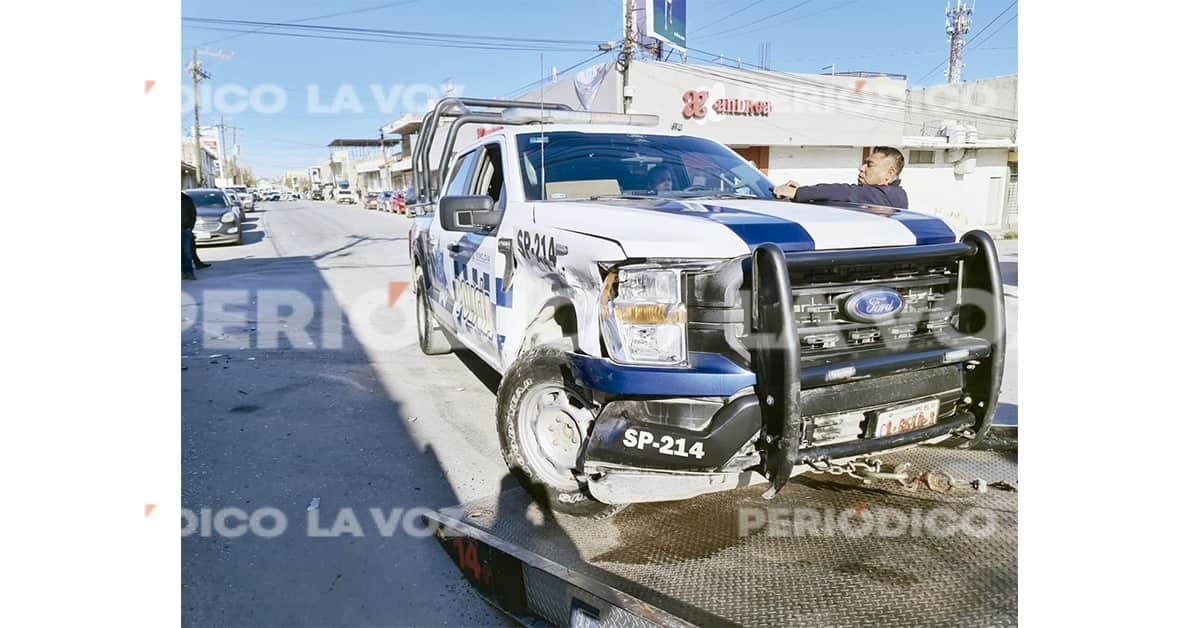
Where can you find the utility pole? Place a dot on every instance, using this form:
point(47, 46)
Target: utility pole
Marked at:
point(626, 57)
point(235, 156)
point(384, 185)
point(198, 74)
point(224, 149)
point(958, 22)
point(226, 168)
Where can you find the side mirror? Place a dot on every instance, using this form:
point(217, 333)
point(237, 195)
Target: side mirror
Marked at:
point(468, 213)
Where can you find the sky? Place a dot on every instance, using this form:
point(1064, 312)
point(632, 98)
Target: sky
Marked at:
point(311, 90)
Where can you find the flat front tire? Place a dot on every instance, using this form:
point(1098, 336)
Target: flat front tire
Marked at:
point(543, 420)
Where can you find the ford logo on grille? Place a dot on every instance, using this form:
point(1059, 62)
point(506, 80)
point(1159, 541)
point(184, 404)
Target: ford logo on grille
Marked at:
point(872, 306)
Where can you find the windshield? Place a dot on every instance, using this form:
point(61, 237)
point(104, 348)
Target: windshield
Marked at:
point(208, 200)
point(594, 165)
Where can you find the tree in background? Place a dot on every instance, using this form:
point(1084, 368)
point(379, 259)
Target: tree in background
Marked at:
point(243, 176)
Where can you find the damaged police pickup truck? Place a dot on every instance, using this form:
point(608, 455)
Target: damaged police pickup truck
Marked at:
point(666, 328)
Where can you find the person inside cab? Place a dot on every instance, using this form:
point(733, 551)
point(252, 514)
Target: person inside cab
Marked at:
point(660, 180)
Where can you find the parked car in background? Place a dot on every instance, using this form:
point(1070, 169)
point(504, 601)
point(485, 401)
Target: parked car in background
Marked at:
point(410, 204)
point(218, 217)
point(231, 198)
point(344, 196)
point(316, 195)
point(371, 200)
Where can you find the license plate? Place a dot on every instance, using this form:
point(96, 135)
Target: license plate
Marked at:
point(202, 235)
point(907, 418)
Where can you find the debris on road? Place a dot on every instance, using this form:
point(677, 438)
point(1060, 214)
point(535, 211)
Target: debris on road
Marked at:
point(314, 504)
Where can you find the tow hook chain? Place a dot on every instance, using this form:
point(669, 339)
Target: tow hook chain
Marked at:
point(861, 469)
point(868, 470)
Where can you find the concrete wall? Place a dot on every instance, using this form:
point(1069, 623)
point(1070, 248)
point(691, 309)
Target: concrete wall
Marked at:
point(808, 110)
point(817, 127)
point(968, 200)
point(817, 164)
point(966, 102)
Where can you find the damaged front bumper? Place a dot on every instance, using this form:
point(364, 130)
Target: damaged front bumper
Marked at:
point(773, 420)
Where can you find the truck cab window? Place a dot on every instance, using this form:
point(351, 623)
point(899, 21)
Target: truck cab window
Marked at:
point(461, 177)
point(491, 175)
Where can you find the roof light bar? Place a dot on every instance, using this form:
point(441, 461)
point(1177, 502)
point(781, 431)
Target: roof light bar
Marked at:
point(526, 115)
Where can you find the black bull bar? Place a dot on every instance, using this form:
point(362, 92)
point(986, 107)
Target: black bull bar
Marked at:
point(776, 352)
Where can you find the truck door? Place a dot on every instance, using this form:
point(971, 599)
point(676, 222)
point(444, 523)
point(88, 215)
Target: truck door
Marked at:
point(475, 269)
point(441, 241)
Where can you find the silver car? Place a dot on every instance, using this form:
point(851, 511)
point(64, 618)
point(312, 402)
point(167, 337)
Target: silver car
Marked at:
point(247, 201)
point(217, 220)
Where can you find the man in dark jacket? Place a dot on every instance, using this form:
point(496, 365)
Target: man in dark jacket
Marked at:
point(878, 183)
point(189, 221)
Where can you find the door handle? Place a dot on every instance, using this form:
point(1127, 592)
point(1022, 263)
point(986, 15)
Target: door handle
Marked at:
point(505, 247)
point(454, 247)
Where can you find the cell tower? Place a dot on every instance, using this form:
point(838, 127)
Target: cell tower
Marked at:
point(958, 22)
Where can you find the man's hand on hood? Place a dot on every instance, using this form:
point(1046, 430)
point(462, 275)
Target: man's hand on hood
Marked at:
point(786, 190)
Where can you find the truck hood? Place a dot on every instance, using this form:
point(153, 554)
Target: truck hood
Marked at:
point(729, 228)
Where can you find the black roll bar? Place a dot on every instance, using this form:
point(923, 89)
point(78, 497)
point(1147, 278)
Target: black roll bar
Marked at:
point(427, 184)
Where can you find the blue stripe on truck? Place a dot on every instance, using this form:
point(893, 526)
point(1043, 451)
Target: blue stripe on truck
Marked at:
point(709, 375)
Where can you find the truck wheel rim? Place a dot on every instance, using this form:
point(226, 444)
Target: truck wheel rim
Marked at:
point(552, 423)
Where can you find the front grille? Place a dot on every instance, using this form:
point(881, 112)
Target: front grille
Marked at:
point(927, 291)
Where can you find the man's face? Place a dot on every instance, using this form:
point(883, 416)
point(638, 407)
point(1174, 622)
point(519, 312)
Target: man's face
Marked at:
point(877, 169)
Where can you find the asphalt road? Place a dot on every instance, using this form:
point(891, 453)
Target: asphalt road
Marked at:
point(345, 410)
point(303, 387)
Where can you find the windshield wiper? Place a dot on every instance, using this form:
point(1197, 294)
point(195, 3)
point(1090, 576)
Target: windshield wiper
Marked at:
point(725, 195)
point(602, 197)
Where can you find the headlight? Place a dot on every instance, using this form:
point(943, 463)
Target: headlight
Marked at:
point(228, 217)
point(643, 317)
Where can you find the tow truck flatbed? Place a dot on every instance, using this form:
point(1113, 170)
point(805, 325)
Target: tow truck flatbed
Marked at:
point(734, 558)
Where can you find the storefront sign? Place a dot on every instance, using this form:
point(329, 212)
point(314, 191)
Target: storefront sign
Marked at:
point(696, 105)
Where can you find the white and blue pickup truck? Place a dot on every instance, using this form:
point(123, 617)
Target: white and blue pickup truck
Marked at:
point(666, 328)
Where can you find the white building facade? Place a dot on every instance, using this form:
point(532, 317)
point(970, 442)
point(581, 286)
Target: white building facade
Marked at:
point(959, 144)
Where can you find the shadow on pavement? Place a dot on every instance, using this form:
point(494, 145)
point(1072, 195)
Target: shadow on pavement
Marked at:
point(1008, 273)
point(291, 427)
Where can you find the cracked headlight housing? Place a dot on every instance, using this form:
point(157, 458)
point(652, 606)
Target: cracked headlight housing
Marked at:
point(643, 316)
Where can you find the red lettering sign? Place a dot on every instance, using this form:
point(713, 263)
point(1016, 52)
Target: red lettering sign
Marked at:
point(694, 102)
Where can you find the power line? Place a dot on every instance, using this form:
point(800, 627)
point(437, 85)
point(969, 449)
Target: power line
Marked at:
point(322, 17)
point(999, 29)
point(415, 35)
point(714, 22)
point(760, 20)
point(543, 79)
point(398, 42)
